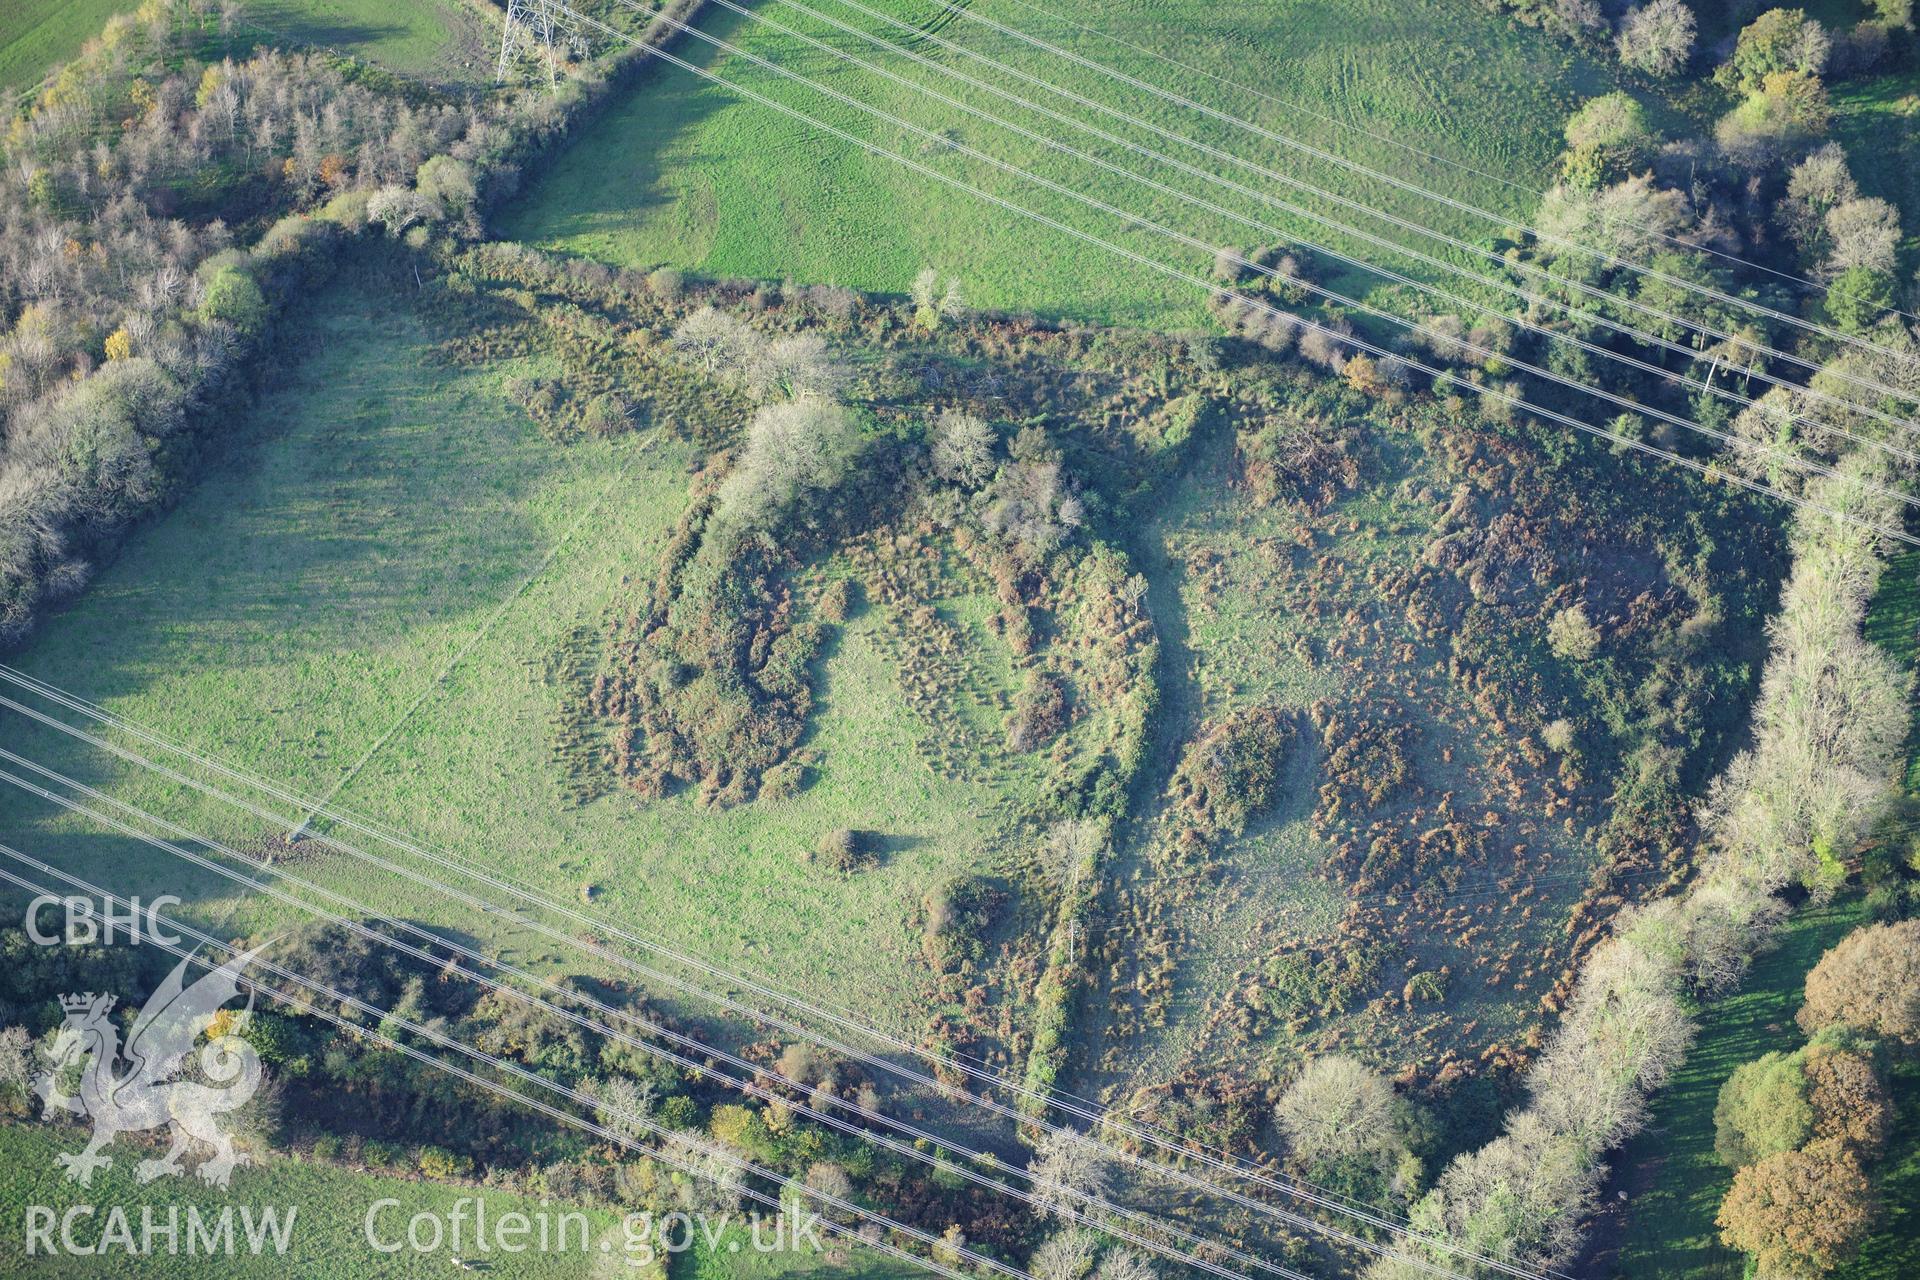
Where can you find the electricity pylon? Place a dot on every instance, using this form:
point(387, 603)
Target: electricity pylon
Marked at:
point(527, 21)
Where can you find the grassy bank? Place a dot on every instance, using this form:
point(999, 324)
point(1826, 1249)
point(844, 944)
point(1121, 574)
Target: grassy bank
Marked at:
point(689, 174)
point(38, 35)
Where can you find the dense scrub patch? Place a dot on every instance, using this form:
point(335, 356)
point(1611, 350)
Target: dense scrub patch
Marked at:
point(1368, 756)
point(712, 688)
point(1514, 672)
point(947, 490)
point(1231, 772)
point(1298, 457)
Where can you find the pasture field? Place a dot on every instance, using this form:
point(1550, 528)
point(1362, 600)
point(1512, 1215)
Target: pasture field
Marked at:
point(685, 173)
point(327, 1240)
point(38, 35)
point(439, 40)
point(367, 530)
point(1672, 1180)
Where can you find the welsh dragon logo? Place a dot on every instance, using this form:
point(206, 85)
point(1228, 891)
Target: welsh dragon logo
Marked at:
point(144, 1094)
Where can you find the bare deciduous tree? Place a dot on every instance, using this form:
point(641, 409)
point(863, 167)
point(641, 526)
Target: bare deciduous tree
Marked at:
point(1124, 1264)
point(625, 1104)
point(713, 1181)
point(1065, 1171)
point(1336, 1107)
point(1818, 184)
point(930, 304)
point(1067, 1255)
point(1862, 232)
point(719, 343)
point(829, 1179)
point(797, 366)
point(795, 449)
point(16, 1057)
point(396, 208)
point(1571, 636)
point(963, 449)
point(1627, 219)
point(1657, 38)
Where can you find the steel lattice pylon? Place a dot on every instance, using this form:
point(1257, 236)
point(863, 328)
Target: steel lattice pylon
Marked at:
point(528, 21)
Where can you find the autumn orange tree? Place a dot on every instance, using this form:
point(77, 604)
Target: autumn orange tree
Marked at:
point(1870, 980)
point(1802, 1128)
point(1800, 1213)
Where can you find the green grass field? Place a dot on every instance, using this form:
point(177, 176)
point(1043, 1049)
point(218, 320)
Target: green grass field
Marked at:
point(375, 516)
point(1673, 1181)
point(438, 40)
point(38, 35)
point(686, 173)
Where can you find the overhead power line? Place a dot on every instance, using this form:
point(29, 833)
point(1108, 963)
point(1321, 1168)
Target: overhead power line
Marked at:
point(1090, 1112)
point(456, 895)
point(389, 1018)
point(1333, 224)
point(971, 15)
point(1799, 281)
point(1091, 1209)
point(1791, 461)
point(1188, 277)
point(1531, 270)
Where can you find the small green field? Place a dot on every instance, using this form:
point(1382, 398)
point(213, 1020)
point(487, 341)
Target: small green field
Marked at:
point(378, 512)
point(1671, 1178)
point(439, 40)
point(328, 1237)
point(1894, 1251)
point(687, 173)
point(38, 35)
